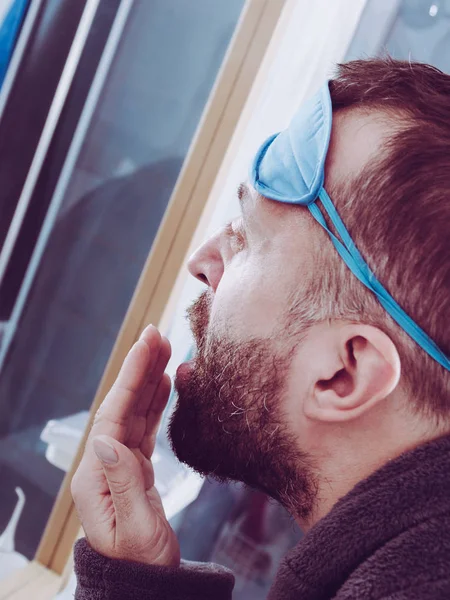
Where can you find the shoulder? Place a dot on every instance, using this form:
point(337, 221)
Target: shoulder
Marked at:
point(407, 567)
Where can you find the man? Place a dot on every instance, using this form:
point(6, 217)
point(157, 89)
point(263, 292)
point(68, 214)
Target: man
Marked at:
point(322, 370)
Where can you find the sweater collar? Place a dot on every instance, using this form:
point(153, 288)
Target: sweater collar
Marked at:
point(404, 492)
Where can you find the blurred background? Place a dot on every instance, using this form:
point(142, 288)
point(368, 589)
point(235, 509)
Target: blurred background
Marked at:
point(93, 135)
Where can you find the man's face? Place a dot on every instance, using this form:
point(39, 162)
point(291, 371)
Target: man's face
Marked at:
point(241, 409)
point(232, 420)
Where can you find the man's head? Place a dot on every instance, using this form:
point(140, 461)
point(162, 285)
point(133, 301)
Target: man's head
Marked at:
point(301, 378)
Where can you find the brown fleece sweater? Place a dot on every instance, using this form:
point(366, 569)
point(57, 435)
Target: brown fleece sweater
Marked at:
point(388, 539)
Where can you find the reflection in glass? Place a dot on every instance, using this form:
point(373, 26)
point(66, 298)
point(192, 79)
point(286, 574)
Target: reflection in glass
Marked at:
point(165, 64)
point(420, 14)
point(441, 53)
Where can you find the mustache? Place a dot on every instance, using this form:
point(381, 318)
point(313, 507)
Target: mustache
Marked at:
point(198, 317)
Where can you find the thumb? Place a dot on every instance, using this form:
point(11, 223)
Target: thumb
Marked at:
point(126, 483)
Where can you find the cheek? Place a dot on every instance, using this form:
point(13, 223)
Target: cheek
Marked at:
point(249, 301)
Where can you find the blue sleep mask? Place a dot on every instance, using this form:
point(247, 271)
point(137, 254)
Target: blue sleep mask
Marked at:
point(290, 167)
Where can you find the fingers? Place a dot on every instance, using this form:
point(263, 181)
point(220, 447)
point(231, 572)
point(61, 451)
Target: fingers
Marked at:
point(154, 415)
point(126, 484)
point(146, 468)
point(154, 378)
point(112, 483)
point(113, 416)
point(137, 431)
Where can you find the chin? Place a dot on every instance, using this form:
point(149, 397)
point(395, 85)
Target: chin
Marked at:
point(220, 431)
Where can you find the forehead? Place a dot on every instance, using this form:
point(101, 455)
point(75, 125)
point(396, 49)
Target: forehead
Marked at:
point(357, 136)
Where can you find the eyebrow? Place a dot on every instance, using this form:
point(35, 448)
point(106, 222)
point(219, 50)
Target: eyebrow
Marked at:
point(243, 194)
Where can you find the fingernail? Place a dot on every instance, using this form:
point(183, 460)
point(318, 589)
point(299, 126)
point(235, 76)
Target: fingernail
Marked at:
point(145, 329)
point(105, 452)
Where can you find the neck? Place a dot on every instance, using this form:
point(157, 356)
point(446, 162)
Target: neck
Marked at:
point(337, 478)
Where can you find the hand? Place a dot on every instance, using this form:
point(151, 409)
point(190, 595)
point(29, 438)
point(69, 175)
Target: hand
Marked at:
point(113, 488)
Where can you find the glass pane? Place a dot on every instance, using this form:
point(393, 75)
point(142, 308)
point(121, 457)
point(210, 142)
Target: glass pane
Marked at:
point(406, 29)
point(163, 69)
point(45, 54)
point(25, 136)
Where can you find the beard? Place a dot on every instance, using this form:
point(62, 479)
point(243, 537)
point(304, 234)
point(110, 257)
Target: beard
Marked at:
point(228, 422)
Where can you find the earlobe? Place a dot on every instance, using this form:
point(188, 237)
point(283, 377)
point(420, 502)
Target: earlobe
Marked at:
point(365, 369)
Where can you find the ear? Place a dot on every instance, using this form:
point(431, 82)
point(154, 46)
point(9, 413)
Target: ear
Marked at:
point(358, 369)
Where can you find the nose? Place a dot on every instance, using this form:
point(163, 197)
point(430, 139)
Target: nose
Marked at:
point(206, 264)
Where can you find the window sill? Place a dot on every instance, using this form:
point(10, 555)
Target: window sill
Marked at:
point(33, 581)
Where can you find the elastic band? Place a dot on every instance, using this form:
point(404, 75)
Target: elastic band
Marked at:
point(355, 262)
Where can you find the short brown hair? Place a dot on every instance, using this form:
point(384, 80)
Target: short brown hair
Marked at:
point(397, 211)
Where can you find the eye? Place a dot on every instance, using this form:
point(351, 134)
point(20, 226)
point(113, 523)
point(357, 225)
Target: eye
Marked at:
point(236, 235)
